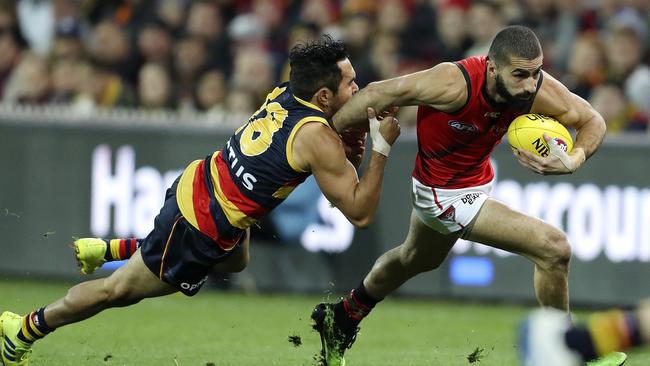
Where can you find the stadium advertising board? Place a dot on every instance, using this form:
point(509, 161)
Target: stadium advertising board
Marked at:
point(65, 181)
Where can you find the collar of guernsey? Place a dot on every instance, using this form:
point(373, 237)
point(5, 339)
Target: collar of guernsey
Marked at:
point(196, 209)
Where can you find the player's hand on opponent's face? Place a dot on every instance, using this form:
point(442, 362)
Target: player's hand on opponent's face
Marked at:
point(556, 162)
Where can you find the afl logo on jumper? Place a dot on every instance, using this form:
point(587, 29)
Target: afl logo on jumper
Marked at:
point(463, 127)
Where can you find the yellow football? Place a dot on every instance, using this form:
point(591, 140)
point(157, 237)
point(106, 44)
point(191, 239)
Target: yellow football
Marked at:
point(527, 132)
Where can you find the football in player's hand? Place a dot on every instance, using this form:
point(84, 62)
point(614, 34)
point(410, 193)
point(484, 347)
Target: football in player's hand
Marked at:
point(527, 131)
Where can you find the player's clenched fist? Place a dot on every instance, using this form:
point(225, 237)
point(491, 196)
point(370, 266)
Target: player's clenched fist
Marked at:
point(383, 133)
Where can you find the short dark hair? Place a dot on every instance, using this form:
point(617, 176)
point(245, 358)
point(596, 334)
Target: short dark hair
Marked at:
point(314, 65)
point(514, 41)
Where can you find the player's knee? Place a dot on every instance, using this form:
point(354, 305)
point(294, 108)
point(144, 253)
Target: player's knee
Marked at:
point(233, 264)
point(239, 265)
point(557, 250)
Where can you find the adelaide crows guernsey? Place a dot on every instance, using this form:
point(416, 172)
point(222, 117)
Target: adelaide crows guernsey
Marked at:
point(233, 188)
point(454, 148)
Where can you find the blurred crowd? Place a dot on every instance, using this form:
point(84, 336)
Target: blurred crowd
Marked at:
point(220, 57)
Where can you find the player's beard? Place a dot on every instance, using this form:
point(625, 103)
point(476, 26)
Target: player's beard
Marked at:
point(519, 101)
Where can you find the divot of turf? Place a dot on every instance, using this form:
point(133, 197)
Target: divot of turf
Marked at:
point(476, 356)
point(295, 340)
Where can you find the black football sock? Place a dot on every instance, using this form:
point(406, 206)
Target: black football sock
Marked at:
point(354, 307)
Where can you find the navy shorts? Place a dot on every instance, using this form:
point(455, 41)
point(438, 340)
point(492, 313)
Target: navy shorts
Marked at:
point(178, 253)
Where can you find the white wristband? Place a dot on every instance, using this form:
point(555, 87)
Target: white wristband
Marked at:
point(379, 144)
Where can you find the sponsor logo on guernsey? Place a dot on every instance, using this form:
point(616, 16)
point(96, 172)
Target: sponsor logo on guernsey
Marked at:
point(463, 127)
point(470, 198)
point(193, 287)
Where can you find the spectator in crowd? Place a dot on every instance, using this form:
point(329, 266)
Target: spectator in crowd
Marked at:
point(320, 12)
point(587, 65)
point(103, 88)
point(40, 21)
point(452, 38)
point(240, 104)
point(384, 54)
point(271, 15)
point(419, 32)
point(299, 32)
point(247, 32)
point(29, 82)
point(206, 22)
point(484, 21)
point(211, 92)
point(36, 20)
point(154, 87)
point(189, 62)
point(618, 112)
point(110, 48)
point(585, 43)
point(392, 16)
point(358, 29)
point(64, 80)
point(556, 24)
point(253, 71)
point(154, 42)
point(172, 14)
point(12, 42)
point(624, 51)
point(67, 42)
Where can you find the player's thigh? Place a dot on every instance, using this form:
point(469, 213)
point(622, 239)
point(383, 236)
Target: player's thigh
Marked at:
point(501, 227)
point(136, 281)
point(426, 245)
point(239, 259)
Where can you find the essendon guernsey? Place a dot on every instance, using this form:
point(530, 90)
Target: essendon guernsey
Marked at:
point(454, 148)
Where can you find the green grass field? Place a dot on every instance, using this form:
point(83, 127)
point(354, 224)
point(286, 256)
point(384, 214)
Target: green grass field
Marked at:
point(227, 329)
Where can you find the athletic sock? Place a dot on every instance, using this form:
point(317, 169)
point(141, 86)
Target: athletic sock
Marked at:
point(579, 340)
point(354, 307)
point(34, 327)
point(606, 332)
point(613, 330)
point(120, 249)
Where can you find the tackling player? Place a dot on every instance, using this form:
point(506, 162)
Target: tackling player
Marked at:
point(209, 208)
point(465, 107)
point(548, 337)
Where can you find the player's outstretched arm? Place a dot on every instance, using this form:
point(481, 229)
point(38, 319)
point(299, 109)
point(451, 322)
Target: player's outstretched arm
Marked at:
point(442, 87)
point(555, 100)
point(320, 150)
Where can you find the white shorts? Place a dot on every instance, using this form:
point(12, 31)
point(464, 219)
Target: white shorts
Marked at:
point(448, 210)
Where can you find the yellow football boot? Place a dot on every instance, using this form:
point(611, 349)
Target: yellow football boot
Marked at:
point(14, 351)
point(612, 359)
point(89, 253)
